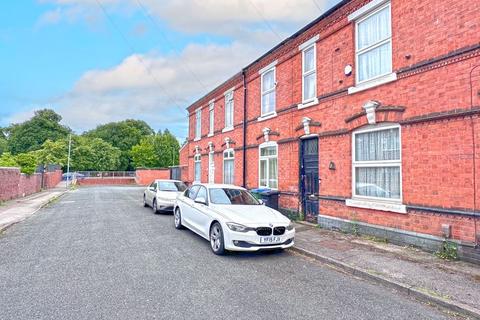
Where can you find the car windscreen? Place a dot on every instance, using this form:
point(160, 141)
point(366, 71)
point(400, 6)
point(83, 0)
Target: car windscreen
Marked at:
point(171, 186)
point(232, 196)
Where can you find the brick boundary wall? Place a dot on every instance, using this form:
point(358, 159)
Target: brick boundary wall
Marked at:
point(52, 179)
point(144, 177)
point(14, 184)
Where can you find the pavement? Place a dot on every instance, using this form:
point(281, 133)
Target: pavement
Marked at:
point(451, 284)
point(98, 254)
point(17, 210)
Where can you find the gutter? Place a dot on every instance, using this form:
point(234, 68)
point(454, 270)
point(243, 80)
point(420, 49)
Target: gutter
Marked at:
point(244, 131)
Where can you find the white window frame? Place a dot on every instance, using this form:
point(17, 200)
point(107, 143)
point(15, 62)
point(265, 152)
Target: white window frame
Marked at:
point(198, 124)
point(228, 158)
point(385, 204)
point(274, 90)
point(359, 16)
point(211, 116)
point(260, 158)
point(229, 104)
point(308, 102)
point(197, 158)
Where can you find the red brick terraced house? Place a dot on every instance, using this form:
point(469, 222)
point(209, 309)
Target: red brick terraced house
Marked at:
point(368, 117)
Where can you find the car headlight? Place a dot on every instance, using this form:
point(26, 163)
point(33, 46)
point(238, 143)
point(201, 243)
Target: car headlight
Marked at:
point(290, 226)
point(238, 227)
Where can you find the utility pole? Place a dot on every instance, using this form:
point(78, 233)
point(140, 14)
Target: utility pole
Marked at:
point(68, 160)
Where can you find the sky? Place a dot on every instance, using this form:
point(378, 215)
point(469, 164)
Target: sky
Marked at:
point(97, 61)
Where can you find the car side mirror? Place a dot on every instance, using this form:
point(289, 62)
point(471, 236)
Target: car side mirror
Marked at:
point(201, 200)
point(261, 201)
point(151, 188)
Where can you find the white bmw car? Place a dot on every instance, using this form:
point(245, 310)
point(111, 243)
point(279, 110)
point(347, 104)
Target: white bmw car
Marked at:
point(161, 194)
point(231, 218)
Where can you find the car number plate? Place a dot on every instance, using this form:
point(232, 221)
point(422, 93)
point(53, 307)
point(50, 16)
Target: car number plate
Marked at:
point(269, 240)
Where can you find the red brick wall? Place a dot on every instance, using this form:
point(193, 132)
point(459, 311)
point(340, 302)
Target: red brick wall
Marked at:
point(146, 176)
point(437, 155)
point(14, 184)
point(52, 179)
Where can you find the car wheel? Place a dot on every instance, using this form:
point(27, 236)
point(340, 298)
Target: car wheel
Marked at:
point(154, 206)
point(177, 219)
point(216, 239)
point(145, 201)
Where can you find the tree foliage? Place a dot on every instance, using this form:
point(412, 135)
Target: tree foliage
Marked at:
point(156, 151)
point(54, 152)
point(122, 135)
point(27, 162)
point(30, 135)
point(94, 155)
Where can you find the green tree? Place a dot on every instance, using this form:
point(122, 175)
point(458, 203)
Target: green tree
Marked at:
point(144, 154)
point(30, 135)
point(7, 160)
point(54, 152)
point(27, 162)
point(94, 155)
point(168, 149)
point(156, 151)
point(122, 135)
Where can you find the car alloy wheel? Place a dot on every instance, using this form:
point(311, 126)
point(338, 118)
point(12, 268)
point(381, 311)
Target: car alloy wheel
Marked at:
point(178, 219)
point(154, 206)
point(216, 239)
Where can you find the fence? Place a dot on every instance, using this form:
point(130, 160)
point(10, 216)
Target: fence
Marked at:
point(105, 174)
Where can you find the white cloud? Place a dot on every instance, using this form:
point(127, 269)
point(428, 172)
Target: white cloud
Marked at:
point(158, 87)
point(153, 87)
point(225, 17)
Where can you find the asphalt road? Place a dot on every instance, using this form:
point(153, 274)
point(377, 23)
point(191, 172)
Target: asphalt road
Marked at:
point(98, 254)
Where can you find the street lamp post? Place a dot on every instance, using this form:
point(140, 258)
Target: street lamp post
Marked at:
point(68, 160)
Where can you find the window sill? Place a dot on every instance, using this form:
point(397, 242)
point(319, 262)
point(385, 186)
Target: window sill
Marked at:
point(210, 135)
point(308, 103)
point(267, 116)
point(373, 83)
point(377, 205)
point(197, 139)
point(227, 129)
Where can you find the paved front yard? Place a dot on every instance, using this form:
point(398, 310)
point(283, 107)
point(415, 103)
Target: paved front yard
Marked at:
point(98, 254)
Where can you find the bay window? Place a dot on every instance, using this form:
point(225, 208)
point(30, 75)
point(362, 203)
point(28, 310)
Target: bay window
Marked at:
point(228, 166)
point(268, 166)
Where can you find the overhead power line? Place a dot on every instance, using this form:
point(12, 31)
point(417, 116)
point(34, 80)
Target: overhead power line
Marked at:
point(184, 65)
point(265, 20)
point(139, 58)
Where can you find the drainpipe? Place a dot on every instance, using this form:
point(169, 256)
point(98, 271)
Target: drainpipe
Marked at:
point(244, 147)
point(474, 157)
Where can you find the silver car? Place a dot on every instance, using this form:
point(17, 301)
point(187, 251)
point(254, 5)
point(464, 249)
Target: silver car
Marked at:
point(161, 194)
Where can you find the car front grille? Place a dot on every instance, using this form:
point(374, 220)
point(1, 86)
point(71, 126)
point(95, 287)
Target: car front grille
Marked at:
point(264, 231)
point(278, 231)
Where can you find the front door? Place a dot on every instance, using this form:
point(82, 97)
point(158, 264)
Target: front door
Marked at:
point(211, 168)
point(309, 180)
